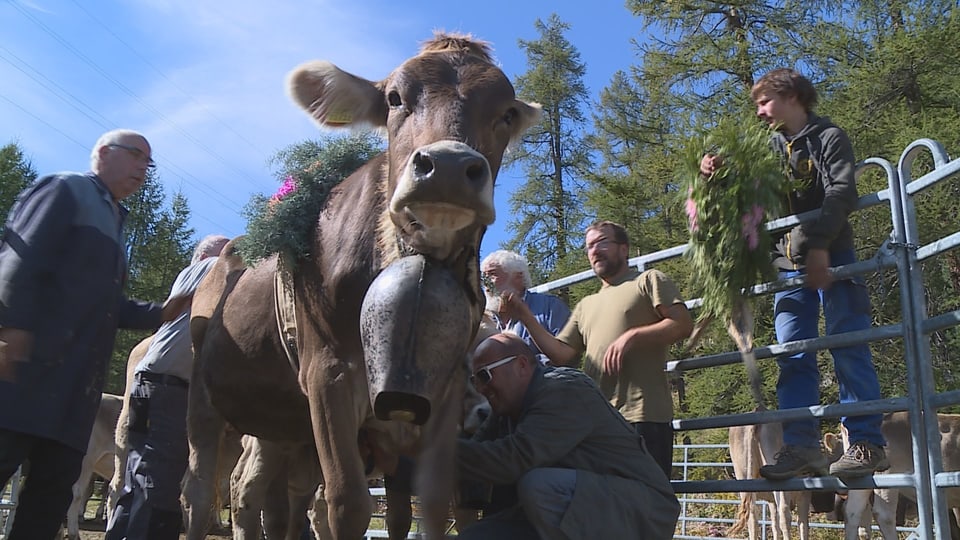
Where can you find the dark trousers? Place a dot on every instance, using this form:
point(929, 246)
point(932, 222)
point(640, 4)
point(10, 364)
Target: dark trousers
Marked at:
point(47, 489)
point(658, 438)
point(149, 505)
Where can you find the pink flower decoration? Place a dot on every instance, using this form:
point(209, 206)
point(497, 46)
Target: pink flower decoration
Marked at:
point(751, 222)
point(692, 212)
point(289, 186)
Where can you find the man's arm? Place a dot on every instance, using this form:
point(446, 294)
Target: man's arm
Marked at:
point(675, 325)
point(549, 430)
point(38, 223)
point(559, 352)
point(836, 167)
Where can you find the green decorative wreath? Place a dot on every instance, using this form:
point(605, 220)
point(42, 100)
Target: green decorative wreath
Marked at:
point(285, 222)
point(729, 247)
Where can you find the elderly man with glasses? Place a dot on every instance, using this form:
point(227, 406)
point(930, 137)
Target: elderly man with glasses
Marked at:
point(578, 468)
point(62, 271)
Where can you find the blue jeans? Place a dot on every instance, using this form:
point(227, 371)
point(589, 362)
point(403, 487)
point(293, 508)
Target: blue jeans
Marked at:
point(149, 503)
point(846, 308)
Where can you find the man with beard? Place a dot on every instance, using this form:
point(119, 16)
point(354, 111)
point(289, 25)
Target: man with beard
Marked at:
point(508, 273)
point(623, 332)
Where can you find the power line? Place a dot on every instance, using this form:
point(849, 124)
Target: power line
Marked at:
point(44, 122)
point(102, 121)
point(85, 147)
point(147, 62)
point(132, 94)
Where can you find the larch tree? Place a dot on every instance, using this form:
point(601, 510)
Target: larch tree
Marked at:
point(16, 173)
point(547, 219)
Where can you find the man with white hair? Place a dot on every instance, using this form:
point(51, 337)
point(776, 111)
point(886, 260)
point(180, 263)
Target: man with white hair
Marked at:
point(508, 273)
point(149, 506)
point(62, 270)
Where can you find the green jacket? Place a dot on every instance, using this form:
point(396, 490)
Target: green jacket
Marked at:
point(567, 423)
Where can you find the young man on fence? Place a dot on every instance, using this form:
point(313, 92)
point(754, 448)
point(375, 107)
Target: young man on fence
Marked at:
point(820, 160)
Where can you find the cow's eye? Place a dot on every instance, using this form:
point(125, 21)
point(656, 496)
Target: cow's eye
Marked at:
point(393, 98)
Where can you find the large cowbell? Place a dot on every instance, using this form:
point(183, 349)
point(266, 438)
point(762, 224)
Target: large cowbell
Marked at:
point(415, 326)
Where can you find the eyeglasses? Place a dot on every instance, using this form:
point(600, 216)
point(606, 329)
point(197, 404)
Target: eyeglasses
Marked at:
point(484, 375)
point(602, 245)
point(137, 153)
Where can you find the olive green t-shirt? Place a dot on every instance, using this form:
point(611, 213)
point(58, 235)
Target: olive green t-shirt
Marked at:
point(640, 391)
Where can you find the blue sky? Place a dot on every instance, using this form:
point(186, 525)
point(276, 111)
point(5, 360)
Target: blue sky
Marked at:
point(204, 79)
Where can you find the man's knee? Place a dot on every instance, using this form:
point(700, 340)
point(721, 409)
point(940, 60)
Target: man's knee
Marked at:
point(549, 487)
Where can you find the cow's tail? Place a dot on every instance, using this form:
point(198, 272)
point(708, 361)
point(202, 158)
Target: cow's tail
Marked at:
point(747, 500)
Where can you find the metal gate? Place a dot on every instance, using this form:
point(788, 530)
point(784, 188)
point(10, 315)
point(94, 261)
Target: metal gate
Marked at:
point(902, 251)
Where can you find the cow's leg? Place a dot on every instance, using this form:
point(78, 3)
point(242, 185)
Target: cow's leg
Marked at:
point(434, 484)
point(299, 503)
point(80, 495)
point(782, 518)
point(337, 394)
point(856, 507)
point(248, 488)
point(318, 516)
point(774, 521)
point(205, 429)
point(276, 505)
point(885, 512)
point(803, 513)
point(399, 513)
point(302, 485)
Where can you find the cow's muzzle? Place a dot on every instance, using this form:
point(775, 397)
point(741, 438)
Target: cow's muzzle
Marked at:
point(444, 187)
point(415, 326)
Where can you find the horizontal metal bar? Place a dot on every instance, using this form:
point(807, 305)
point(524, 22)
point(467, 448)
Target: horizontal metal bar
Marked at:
point(818, 411)
point(830, 483)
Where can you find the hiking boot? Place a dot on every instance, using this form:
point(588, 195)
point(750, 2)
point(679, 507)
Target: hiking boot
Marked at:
point(861, 459)
point(795, 461)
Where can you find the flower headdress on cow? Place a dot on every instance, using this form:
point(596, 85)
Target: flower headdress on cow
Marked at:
point(284, 222)
point(729, 248)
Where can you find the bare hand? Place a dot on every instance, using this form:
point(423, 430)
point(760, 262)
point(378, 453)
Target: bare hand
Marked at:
point(709, 164)
point(613, 357)
point(16, 345)
point(174, 306)
point(818, 269)
point(513, 306)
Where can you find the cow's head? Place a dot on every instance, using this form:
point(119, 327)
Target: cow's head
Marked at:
point(449, 113)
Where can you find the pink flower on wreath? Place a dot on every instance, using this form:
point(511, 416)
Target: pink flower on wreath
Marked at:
point(692, 211)
point(289, 186)
point(751, 226)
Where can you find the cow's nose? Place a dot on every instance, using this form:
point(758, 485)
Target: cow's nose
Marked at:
point(446, 164)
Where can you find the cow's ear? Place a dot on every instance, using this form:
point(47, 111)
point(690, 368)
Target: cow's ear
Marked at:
point(528, 114)
point(335, 98)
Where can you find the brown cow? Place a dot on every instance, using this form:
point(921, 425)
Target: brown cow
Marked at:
point(896, 431)
point(751, 447)
point(282, 479)
point(449, 114)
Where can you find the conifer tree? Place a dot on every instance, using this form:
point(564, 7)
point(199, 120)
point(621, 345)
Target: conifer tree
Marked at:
point(548, 222)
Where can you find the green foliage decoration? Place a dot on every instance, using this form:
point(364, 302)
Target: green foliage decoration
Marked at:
point(729, 244)
point(285, 222)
